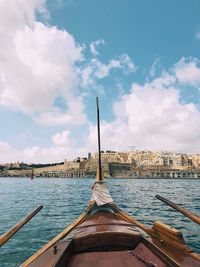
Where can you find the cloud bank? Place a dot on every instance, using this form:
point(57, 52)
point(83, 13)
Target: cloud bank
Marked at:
point(37, 64)
point(187, 71)
point(40, 64)
point(153, 116)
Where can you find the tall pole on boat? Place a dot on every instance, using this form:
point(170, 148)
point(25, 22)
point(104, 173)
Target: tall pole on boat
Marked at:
point(99, 176)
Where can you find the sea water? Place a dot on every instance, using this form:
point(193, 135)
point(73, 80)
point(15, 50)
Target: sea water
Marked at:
point(64, 200)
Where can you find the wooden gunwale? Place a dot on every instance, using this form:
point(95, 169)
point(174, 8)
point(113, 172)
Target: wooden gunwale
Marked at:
point(129, 218)
point(165, 257)
point(61, 235)
point(157, 240)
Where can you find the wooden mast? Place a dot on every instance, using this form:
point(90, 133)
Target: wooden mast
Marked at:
point(99, 174)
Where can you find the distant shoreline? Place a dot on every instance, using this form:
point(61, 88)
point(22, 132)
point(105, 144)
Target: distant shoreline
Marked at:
point(106, 178)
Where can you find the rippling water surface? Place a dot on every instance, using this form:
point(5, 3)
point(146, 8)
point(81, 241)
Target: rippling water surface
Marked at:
point(65, 199)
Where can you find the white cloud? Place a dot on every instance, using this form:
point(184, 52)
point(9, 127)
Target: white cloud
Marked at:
point(56, 153)
point(94, 45)
point(74, 114)
point(62, 139)
point(187, 71)
point(98, 70)
point(5, 150)
point(42, 154)
point(122, 62)
point(37, 62)
point(15, 14)
point(39, 69)
point(151, 116)
point(87, 77)
point(154, 68)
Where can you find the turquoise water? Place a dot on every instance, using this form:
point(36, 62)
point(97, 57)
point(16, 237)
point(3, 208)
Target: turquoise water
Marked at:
point(65, 199)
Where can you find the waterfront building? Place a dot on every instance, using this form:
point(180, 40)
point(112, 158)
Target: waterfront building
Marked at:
point(78, 163)
point(120, 169)
point(172, 173)
point(147, 158)
point(115, 164)
point(108, 156)
point(195, 158)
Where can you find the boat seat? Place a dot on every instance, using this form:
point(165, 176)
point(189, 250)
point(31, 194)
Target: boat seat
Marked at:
point(106, 240)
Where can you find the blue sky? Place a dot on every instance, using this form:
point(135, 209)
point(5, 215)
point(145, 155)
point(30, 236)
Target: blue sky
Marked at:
point(140, 57)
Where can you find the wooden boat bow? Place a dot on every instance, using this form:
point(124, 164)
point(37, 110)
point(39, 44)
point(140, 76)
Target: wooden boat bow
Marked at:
point(105, 232)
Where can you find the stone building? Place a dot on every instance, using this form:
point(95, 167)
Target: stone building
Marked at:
point(172, 173)
point(68, 169)
point(108, 156)
point(120, 169)
point(195, 160)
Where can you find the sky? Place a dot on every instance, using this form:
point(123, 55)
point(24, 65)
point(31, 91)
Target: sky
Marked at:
point(141, 58)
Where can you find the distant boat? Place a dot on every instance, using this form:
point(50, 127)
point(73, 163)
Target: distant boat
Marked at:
point(106, 236)
point(32, 175)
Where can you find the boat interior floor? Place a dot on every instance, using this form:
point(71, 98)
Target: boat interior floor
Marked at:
point(139, 257)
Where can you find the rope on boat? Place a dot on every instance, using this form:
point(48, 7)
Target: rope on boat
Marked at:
point(101, 194)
